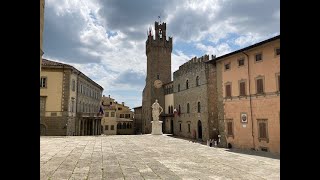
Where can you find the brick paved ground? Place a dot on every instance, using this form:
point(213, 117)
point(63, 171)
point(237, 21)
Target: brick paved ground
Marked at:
point(147, 157)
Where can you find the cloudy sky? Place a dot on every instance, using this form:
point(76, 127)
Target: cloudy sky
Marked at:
point(105, 39)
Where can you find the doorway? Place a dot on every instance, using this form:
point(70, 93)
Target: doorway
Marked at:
point(171, 126)
point(199, 130)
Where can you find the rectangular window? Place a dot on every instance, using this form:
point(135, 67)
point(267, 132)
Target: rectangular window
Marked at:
point(43, 82)
point(263, 129)
point(260, 86)
point(279, 83)
point(241, 62)
point(242, 88)
point(228, 90)
point(72, 105)
point(112, 127)
point(127, 116)
point(73, 85)
point(80, 88)
point(112, 114)
point(119, 109)
point(189, 128)
point(121, 115)
point(230, 128)
point(277, 51)
point(227, 66)
point(258, 57)
point(107, 114)
point(106, 127)
point(180, 127)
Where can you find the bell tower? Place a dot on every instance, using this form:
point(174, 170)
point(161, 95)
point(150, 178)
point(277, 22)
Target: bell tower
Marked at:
point(158, 52)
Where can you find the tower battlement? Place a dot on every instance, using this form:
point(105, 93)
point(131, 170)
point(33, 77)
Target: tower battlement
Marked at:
point(159, 39)
point(193, 63)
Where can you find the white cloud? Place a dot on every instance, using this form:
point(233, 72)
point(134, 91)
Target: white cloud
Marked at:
point(218, 50)
point(104, 39)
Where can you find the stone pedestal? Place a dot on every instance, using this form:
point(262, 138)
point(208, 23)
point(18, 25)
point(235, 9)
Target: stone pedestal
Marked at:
point(156, 127)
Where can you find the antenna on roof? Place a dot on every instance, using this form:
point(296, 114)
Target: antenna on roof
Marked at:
point(159, 18)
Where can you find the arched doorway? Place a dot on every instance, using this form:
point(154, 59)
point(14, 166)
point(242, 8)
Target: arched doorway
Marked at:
point(199, 130)
point(42, 130)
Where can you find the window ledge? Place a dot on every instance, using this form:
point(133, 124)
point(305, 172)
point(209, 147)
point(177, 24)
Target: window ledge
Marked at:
point(264, 139)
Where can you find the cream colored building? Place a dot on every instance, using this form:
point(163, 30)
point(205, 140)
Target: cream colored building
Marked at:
point(41, 29)
point(61, 112)
point(117, 119)
point(168, 109)
point(248, 84)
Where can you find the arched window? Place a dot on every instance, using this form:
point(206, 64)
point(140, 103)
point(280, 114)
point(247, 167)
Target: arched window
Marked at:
point(187, 84)
point(124, 126)
point(171, 109)
point(197, 81)
point(179, 109)
point(199, 107)
point(128, 126)
point(188, 108)
point(119, 126)
point(178, 87)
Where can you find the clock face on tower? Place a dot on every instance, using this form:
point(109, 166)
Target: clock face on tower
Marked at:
point(157, 84)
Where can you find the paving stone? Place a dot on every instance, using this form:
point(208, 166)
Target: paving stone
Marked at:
point(148, 157)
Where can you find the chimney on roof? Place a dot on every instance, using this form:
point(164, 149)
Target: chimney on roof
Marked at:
point(109, 95)
point(122, 103)
point(103, 95)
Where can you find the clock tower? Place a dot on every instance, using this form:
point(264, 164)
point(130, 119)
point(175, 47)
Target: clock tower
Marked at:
point(158, 51)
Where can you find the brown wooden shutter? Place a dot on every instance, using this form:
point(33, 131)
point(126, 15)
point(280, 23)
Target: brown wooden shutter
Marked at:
point(242, 89)
point(230, 128)
point(279, 82)
point(259, 86)
point(263, 130)
point(228, 90)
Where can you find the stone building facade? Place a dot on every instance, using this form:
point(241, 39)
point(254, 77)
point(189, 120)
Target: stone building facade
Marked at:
point(168, 108)
point(158, 51)
point(137, 119)
point(117, 118)
point(59, 110)
point(194, 117)
point(248, 86)
point(88, 100)
point(42, 3)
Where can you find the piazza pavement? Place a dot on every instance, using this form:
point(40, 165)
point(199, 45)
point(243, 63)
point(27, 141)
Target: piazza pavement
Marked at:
point(147, 157)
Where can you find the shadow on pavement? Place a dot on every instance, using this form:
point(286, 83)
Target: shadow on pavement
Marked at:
point(234, 150)
point(255, 153)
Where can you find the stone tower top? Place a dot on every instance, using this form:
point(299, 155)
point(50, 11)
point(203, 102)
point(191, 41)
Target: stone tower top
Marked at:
point(160, 38)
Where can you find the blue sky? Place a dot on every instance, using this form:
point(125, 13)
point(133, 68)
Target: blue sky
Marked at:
point(106, 39)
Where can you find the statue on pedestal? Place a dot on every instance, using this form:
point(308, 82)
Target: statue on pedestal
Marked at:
point(156, 110)
point(156, 124)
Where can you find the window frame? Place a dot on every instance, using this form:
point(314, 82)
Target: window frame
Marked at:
point(187, 84)
point(46, 82)
point(245, 88)
point(232, 127)
point(263, 84)
point(263, 121)
point(255, 57)
point(225, 87)
point(225, 66)
point(197, 81)
point(199, 107)
point(275, 51)
point(239, 59)
point(188, 108)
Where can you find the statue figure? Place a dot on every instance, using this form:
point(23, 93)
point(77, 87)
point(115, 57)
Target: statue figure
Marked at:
point(156, 110)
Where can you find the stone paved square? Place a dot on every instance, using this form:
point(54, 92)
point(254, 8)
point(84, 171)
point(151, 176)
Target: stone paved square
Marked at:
point(146, 157)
